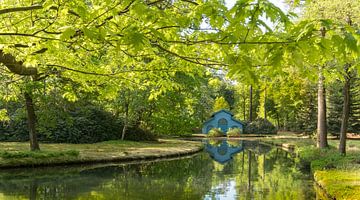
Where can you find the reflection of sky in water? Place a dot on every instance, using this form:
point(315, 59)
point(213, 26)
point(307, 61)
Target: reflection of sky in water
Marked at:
point(220, 193)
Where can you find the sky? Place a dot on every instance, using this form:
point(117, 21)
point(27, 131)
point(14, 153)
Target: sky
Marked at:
point(278, 3)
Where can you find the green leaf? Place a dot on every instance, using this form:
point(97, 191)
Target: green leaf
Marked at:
point(351, 43)
point(68, 33)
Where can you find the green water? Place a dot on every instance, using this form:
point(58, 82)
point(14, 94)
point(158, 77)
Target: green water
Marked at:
point(256, 171)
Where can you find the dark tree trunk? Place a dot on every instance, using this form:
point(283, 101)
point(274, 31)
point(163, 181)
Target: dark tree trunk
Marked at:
point(250, 106)
point(346, 111)
point(34, 145)
point(321, 121)
point(244, 107)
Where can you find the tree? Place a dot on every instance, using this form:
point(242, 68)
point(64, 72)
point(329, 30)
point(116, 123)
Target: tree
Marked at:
point(91, 42)
point(342, 13)
point(220, 103)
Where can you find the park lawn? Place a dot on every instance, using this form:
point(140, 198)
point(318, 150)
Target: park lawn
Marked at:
point(17, 154)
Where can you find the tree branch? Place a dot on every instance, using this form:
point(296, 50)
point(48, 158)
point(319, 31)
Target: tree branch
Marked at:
point(16, 67)
point(18, 9)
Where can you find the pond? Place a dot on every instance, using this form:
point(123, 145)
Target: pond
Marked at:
point(225, 170)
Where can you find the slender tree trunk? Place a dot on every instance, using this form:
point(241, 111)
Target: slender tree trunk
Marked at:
point(265, 103)
point(126, 107)
point(244, 107)
point(321, 119)
point(34, 145)
point(346, 111)
point(250, 106)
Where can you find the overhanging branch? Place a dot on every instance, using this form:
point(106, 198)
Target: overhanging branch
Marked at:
point(19, 9)
point(15, 66)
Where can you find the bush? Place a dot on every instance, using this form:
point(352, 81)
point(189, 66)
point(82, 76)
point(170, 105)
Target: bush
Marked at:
point(215, 132)
point(138, 134)
point(233, 132)
point(261, 126)
point(89, 124)
point(320, 159)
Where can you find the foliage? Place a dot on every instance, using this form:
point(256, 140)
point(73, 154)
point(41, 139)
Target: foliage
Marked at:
point(220, 103)
point(215, 132)
point(87, 124)
point(150, 71)
point(260, 126)
point(322, 159)
point(138, 134)
point(233, 132)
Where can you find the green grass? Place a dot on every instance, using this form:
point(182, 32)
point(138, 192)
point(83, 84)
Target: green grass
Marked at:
point(18, 154)
point(340, 184)
point(37, 154)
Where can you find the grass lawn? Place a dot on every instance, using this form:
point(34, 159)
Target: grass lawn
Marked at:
point(14, 154)
point(341, 184)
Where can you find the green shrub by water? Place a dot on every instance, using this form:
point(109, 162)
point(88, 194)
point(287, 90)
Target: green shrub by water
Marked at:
point(233, 132)
point(215, 132)
point(321, 159)
point(260, 126)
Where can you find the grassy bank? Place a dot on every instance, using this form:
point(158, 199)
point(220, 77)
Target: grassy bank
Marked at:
point(338, 175)
point(16, 154)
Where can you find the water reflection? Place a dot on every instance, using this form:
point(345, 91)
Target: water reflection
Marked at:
point(238, 170)
point(222, 151)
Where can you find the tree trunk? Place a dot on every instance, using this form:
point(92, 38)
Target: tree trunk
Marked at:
point(321, 119)
point(250, 106)
point(244, 107)
point(346, 111)
point(265, 103)
point(126, 107)
point(34, 145)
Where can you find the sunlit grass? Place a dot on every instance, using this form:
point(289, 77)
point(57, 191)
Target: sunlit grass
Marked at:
point(341, 184)
point(18, 154)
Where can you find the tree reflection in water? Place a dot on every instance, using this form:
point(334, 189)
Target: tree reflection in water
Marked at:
point(260, 172)
point(253, 171)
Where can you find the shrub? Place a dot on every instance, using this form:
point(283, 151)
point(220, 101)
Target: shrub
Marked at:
point(320, 159)
point(215, 132)
point(138, 134)
point(233, 132)
point(88, 124)
point(261, 126)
